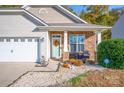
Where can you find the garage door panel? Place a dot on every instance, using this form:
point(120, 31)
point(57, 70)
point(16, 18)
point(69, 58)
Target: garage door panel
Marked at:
point(18, 51)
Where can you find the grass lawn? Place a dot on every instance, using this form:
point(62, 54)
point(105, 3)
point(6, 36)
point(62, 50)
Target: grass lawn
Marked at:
point(106, 78)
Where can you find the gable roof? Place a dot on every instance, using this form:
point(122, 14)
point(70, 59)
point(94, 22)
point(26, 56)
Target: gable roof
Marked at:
point(70, 13)
point(20, 11)
point(56, 26)
point(64, 11)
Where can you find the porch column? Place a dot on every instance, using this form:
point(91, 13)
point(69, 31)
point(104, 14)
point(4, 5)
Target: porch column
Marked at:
point(99, 37)
point(65, 41)
point(48, 45)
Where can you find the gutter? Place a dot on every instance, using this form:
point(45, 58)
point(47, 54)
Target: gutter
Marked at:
point(11, 10)
point(73, 27)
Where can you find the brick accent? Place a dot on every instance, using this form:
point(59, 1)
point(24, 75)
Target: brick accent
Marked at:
point(65, 56)
point(89, 40)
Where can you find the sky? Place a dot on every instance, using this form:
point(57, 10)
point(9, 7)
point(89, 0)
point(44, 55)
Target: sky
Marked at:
point(78, 8)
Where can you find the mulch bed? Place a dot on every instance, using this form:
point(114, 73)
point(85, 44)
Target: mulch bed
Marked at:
point(105, 78)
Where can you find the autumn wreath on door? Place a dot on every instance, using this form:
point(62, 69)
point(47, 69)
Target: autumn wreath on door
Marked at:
point(55, 43)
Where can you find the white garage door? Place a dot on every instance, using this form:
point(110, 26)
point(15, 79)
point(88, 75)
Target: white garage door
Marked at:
point(18, 49)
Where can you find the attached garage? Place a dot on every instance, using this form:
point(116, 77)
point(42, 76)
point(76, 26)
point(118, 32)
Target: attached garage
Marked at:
point(18, 49)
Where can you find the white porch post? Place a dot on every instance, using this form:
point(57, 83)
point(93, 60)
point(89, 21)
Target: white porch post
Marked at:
point(99, 37)
point(48, 45)
point(65, 41)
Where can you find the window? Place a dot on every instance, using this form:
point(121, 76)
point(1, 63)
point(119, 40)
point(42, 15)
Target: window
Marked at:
point(30, 40)
point(15, 39)
point(22, 39)
point(7, 39)
point(36, 40)
point(77, 43)
point(1, 39)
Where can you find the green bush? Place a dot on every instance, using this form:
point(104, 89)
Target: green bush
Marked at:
point(113, 50)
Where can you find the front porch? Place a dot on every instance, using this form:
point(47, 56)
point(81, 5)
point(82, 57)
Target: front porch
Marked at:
point(64, 43)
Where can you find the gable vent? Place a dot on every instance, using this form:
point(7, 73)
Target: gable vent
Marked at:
point(42, 11)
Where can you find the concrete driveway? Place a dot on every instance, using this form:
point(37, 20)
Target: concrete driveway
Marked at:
point(11, 71)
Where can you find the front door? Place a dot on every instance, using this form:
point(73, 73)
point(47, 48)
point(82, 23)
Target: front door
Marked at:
point(56, 46)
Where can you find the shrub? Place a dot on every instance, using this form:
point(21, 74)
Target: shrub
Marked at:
point(72, 60)
point(113, 50)
point(76, 62)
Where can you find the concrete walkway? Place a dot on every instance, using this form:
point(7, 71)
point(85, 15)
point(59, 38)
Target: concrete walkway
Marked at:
point(11, 71)
point(52, 79)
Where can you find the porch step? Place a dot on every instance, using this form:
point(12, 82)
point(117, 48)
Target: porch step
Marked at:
point(54, 60)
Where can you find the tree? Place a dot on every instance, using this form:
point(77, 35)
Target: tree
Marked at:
point(101, 15)
point(94, 14)
point(10, 6)
point(70, 9)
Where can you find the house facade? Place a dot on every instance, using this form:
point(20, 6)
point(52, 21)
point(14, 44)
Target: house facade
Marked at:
point(51, 32)
point(117, 29)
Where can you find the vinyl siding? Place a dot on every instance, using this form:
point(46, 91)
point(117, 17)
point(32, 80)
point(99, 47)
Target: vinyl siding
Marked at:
point(118, 28)
point(20, 26)
point(49, 14)
point(17, 26)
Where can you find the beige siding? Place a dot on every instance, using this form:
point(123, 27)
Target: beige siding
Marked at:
point(17, 26)
point(49, 14)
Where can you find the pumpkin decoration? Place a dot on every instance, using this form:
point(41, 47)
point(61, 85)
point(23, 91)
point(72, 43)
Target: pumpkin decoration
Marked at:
point(56, 43)
point(66, 65)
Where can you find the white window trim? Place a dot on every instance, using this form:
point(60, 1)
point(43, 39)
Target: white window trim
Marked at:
point(76, 42)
